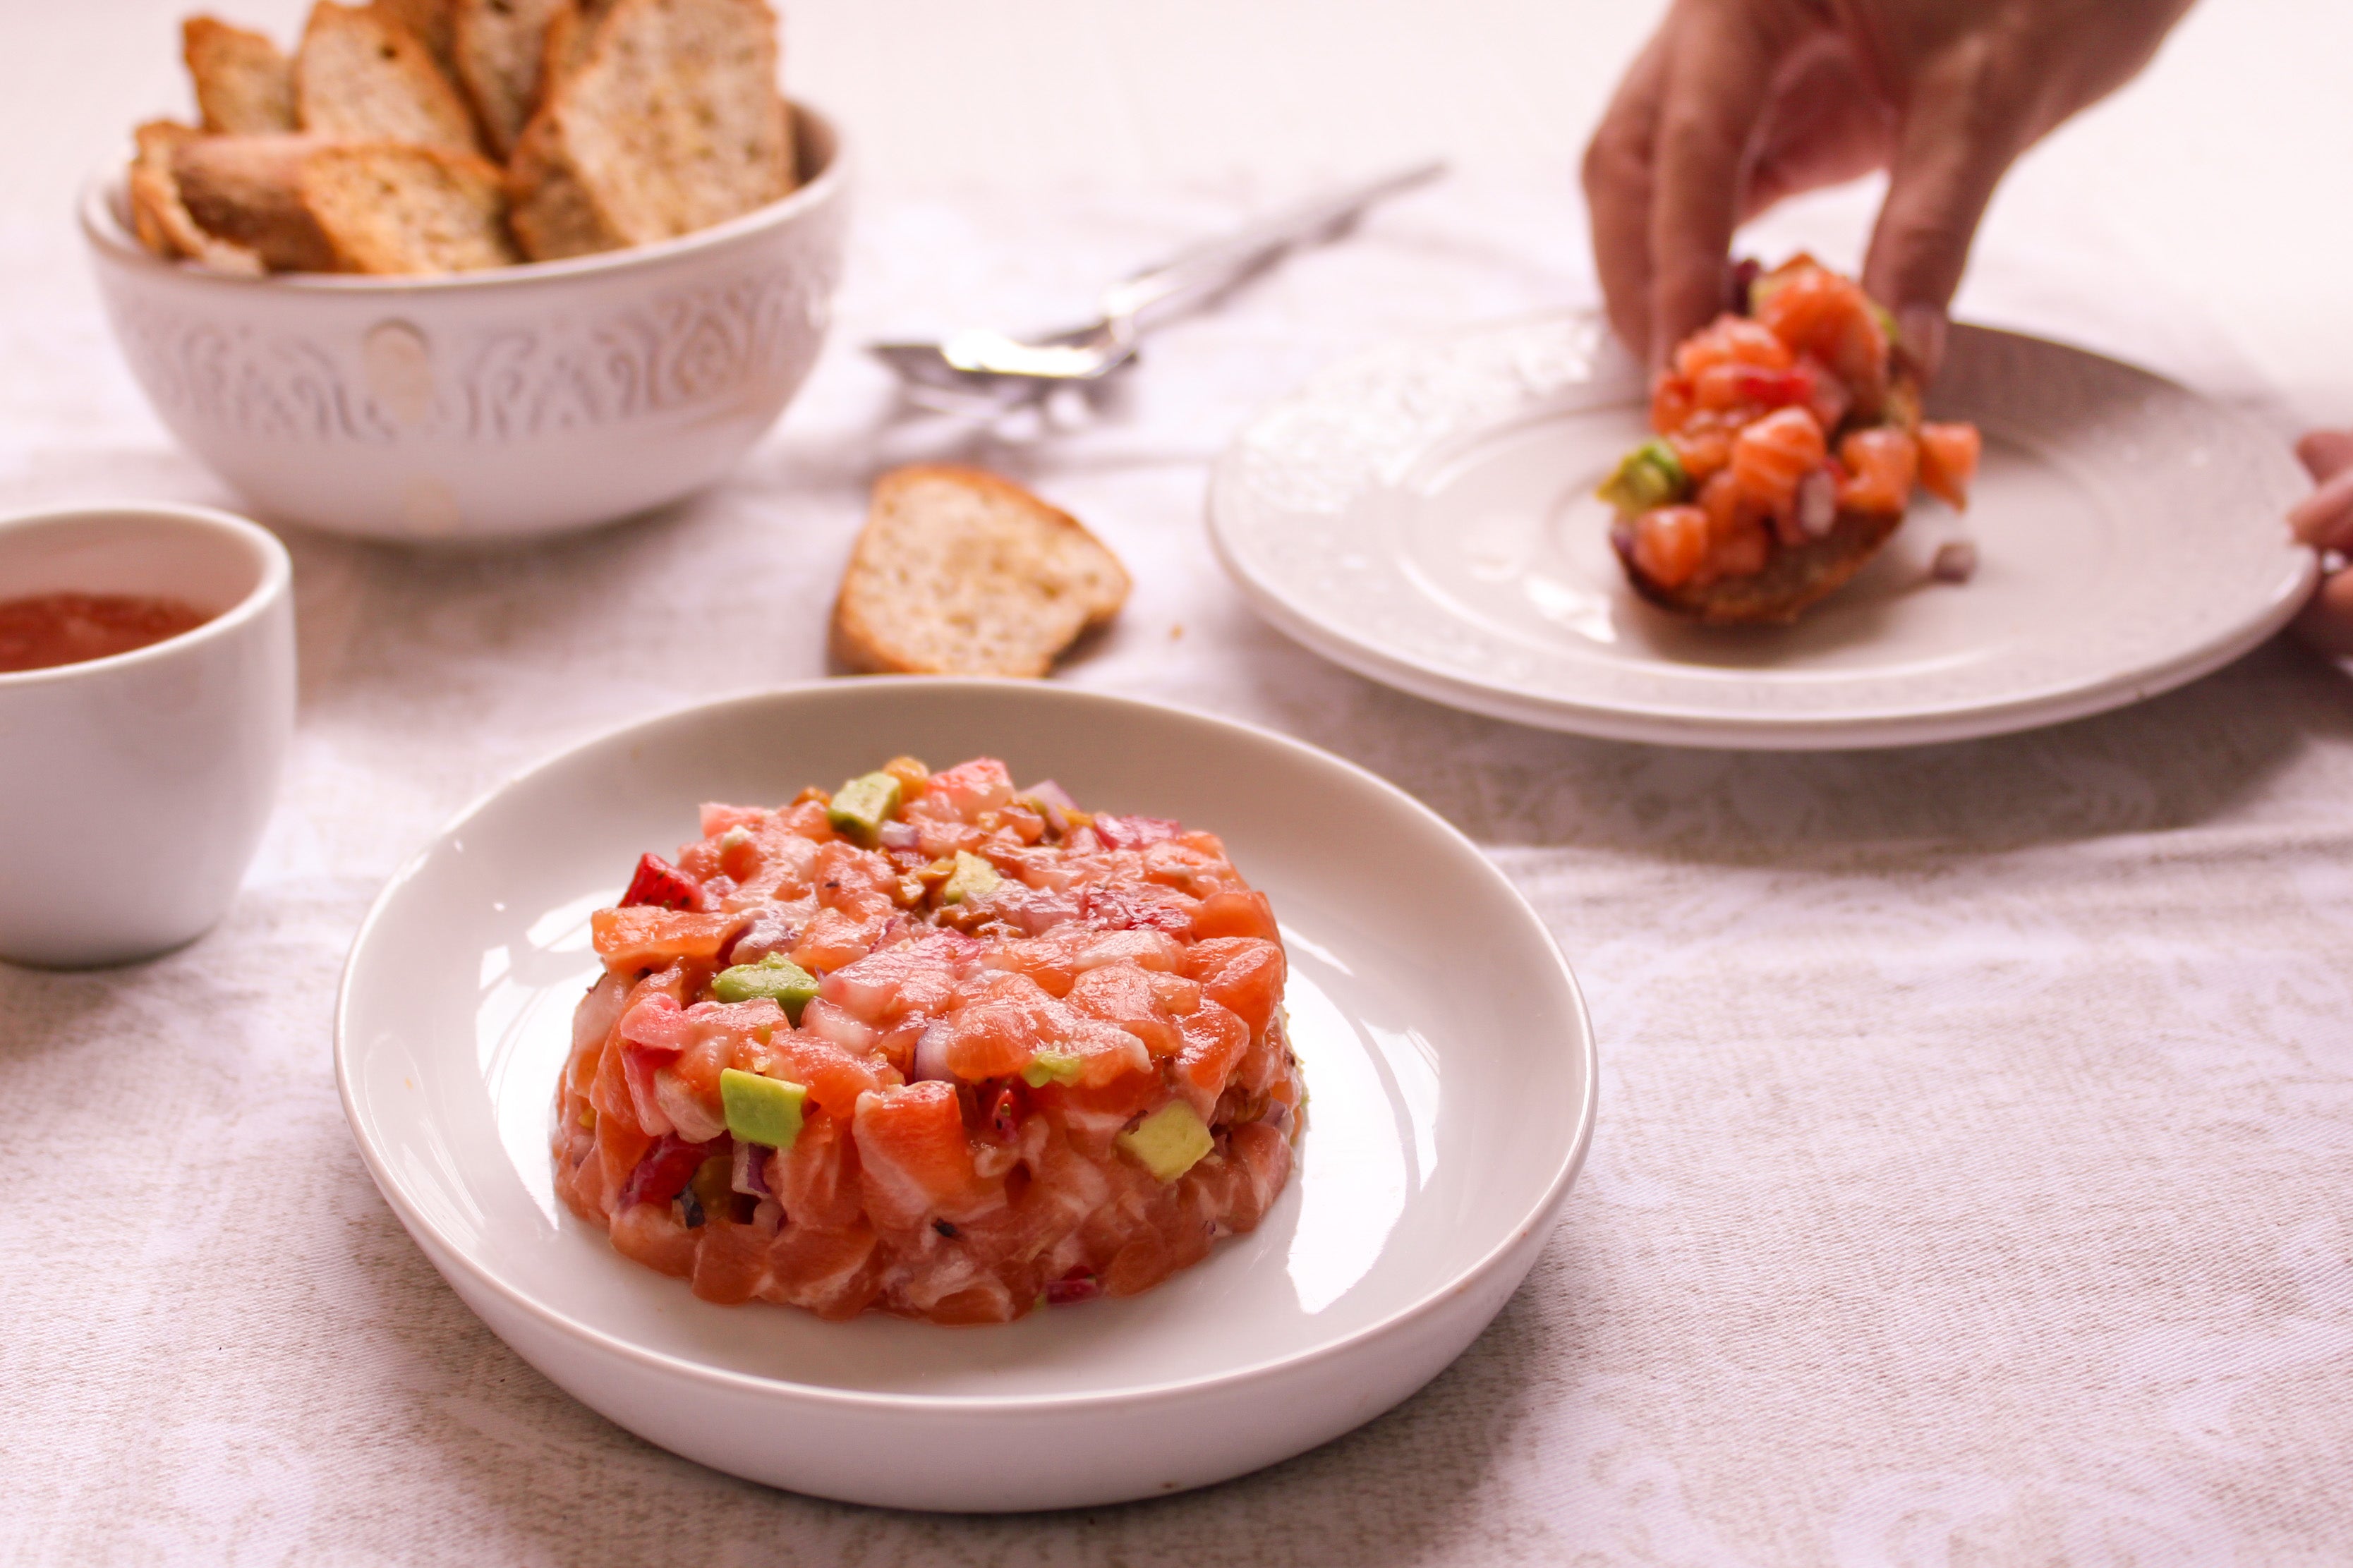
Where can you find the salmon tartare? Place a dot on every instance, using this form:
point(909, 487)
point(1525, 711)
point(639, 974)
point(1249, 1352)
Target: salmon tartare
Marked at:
point(1788, 443)
point(933, 1045)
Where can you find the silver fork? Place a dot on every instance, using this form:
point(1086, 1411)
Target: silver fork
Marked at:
point(981, 370)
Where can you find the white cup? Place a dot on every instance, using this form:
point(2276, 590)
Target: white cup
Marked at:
point(134, 789)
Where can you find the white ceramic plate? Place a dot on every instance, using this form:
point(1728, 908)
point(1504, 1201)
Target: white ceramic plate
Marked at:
point(1449, 1064)
point(1423, 514)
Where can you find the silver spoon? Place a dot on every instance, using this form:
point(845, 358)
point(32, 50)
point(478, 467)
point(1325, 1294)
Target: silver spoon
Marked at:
point(981, 369)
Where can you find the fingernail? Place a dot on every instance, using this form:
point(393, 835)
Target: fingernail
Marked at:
point(1920, 331)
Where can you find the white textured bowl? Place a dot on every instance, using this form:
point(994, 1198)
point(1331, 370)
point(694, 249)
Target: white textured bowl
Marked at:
point(488, 404)
point(1450, 1073)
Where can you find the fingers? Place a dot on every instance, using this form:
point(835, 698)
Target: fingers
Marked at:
point(1718, 74)
point(1616, 178)
point(2324, 518)
point(2326, 623)
point(2325, 452)
point(1963, 127)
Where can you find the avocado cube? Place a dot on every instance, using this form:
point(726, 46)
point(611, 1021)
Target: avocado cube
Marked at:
point(1168, 1142)
point(775, 977)
point(1052, 1067)
point(1650, 475)
point(761, 1110)
point(862, 805)
point(973, 877)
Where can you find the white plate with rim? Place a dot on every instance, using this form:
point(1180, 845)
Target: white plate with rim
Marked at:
point(1423, 514)
point(1448, 1063)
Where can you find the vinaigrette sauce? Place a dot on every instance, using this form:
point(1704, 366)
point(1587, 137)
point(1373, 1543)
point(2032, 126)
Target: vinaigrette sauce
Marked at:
point(49, 629)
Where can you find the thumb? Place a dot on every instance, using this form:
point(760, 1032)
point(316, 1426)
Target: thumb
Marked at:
point(1964, 127)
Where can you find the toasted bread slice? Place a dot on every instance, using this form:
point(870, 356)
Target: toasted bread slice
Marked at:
point(386, 208)
point(502, 52)
point(570, 32)
point(1796, 577)
point(248, 190)
point(673, 123)
point(435, 25)
point(245, 84)
point(362, 76)
point(958, 572)
point(159, 216)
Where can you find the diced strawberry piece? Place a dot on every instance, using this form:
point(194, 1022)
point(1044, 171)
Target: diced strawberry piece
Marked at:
point(660, 883)
point(663, 1174)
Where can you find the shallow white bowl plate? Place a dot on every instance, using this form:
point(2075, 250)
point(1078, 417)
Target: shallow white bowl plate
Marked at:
point(1449, 1064)
point(1424, 515)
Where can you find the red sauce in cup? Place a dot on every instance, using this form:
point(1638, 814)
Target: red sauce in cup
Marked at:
point(51, 630)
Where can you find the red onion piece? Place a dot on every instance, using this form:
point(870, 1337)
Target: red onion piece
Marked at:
point(931, 1056)
point(897, 835)
point(751, 1174)
point(1817, 503)
point(766, 932)
point(1955, 561)
point(1077, 1285)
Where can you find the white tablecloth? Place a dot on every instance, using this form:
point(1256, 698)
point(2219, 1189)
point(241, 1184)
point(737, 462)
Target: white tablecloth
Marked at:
point(1976, 1134)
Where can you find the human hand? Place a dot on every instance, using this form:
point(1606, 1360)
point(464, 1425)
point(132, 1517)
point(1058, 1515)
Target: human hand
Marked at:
point(2323, 520)
point(1734, 104)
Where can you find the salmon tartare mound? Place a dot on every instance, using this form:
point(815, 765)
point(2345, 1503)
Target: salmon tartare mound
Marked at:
point(1789, 443)
point(933, 1045)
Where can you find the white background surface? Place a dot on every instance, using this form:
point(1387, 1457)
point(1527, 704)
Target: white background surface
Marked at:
point(1976, 1120)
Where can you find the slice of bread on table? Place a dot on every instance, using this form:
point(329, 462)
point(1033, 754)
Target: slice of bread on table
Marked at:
point(958, 572)
point(363, 76)
point(244, 83)
point(672, 122)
